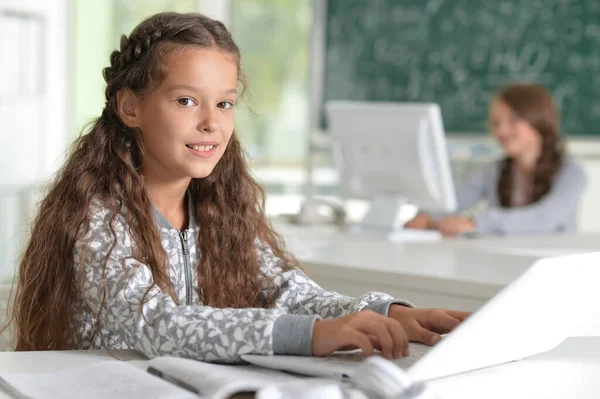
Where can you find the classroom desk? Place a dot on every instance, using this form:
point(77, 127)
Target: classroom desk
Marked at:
point(451, 273)
point(568, 371)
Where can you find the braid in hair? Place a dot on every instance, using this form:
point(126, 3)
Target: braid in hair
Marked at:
point(505, 183)
point(549, 163)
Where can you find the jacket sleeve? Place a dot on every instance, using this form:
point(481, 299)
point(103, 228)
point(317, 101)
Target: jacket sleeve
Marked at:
point(156, 326)
point(554, 213)
point(304, 301)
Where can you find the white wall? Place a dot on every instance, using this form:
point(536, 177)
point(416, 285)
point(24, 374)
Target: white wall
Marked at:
point(589, 211)
point(33, 122)
point(46, 142)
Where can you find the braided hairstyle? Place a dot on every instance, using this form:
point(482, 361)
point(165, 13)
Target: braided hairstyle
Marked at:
point(104, 164)
point(534, 104)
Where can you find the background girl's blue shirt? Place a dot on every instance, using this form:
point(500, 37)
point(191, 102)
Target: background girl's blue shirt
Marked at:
point(556, 212)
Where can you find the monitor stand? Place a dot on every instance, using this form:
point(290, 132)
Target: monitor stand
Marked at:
point(383, 220)
point(383, 215)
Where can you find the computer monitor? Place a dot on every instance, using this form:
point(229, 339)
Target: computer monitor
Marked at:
point(391, 153)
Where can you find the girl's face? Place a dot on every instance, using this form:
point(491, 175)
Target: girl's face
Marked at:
point(187, 121)
point(516, 136)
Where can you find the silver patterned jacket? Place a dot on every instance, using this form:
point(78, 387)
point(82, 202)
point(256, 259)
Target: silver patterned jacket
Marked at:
point(159, 326)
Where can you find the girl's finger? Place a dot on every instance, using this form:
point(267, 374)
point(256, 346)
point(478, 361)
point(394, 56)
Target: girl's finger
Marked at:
point(399, 337)
point(379, 329)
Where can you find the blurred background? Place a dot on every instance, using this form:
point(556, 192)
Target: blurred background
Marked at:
point(52, 53)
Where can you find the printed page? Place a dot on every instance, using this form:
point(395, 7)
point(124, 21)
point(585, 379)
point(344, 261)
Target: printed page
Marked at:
point(113, 379)
point(218, 381)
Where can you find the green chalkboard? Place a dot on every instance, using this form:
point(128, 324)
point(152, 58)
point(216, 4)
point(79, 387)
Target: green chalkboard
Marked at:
point(458, 52)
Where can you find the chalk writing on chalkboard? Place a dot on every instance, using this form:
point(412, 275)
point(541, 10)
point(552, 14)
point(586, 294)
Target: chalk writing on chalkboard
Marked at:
point(458, 52)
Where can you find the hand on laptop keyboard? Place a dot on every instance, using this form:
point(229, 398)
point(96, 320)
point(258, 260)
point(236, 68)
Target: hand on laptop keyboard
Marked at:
point(364, 330)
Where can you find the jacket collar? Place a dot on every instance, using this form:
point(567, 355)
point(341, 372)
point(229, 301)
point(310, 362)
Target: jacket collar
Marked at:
point(162, 222)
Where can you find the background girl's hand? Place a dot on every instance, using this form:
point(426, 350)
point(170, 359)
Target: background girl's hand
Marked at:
point(366, 330)
point(422, 222)
point(454, 225)
point(426, 325)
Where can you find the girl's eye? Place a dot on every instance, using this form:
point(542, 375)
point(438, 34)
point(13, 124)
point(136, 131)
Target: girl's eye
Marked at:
point(225, 104)
point(186, 102)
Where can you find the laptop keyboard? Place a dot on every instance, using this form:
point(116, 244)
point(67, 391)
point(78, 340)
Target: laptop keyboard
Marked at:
point(349, 357)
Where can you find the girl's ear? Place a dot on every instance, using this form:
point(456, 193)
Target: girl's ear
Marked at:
point(128, 106)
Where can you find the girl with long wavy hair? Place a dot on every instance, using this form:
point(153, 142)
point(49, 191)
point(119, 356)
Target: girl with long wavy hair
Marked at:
point(535, 188)
point(153, 235)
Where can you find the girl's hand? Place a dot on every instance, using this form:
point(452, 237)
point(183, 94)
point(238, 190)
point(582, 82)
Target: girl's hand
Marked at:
point(366, 330)
point(426, 325)
point(421, 222)
point(454, 225)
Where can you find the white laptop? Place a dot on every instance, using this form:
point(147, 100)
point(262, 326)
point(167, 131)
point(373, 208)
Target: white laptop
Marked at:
point(534, 314)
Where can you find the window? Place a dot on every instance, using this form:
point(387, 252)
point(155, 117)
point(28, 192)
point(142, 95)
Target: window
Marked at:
point(274, 39)
point(127, 14)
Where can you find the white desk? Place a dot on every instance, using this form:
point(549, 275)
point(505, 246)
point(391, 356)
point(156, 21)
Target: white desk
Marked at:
point(568, 371)
point(453, 273)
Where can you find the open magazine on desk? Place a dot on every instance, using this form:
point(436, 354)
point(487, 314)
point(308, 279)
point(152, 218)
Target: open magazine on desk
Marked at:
point(180, 379)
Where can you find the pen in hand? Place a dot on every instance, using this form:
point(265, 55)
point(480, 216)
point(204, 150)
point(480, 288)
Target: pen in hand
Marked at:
point(172, 380)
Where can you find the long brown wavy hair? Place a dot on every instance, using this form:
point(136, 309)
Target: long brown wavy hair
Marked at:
point(104, 164)
point(534, 104)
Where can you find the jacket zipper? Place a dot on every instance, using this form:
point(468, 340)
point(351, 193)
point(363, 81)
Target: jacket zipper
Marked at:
point(186, 267)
